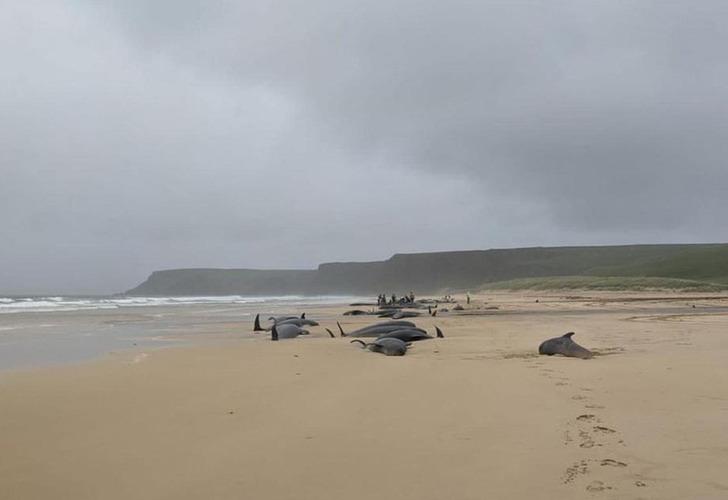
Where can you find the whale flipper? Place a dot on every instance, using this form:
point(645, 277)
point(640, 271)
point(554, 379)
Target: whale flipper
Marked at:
point(256, 324)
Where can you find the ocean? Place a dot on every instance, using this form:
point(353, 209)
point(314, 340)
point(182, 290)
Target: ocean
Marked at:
point(51, 330)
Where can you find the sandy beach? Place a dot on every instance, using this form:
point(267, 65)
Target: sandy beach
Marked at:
point(473, 416)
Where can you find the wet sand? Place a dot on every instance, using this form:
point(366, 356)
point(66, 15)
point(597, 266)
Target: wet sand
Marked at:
point(475, 415)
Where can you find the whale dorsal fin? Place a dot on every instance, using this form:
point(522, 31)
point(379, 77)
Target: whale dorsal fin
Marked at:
point(568, 335)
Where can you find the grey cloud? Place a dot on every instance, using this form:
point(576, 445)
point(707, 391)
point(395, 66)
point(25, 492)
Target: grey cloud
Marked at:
point(140, 135)
point(623, 100)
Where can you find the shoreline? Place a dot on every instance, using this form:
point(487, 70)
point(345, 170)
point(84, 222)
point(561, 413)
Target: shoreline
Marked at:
point(37, 339)
point(229, 322)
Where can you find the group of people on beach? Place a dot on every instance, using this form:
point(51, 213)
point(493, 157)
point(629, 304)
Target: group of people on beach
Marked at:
point(393, 300)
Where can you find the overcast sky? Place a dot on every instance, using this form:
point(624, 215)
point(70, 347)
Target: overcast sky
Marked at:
point(138, 135)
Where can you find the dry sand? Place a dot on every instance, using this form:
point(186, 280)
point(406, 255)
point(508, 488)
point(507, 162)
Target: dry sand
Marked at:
point(474, 416)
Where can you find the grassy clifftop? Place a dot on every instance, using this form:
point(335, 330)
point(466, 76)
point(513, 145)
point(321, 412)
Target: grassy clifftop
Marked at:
point(699, 262)
point(467, 270)
point(606, 283)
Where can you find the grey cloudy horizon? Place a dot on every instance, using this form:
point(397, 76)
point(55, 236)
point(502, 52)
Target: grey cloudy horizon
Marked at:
point(139, 135)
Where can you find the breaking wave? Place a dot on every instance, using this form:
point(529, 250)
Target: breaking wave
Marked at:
point(60, 304)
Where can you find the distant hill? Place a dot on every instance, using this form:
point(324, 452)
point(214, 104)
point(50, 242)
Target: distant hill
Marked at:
point(440, 271)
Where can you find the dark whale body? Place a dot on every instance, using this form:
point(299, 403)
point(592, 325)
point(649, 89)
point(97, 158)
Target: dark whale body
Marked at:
point(286, 332)
point(298, 322)
point(356, 312)
point(387, 346)
point(565, 346)
point(398, 314)
point(378, 329)
point(411, 334)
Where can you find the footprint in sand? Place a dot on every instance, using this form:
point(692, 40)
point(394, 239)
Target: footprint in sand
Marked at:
point(612, 463)
point(592, 435)
point(575, 470)
point(586, 418)
point(567, 437)
point(586, 440)
point(597, 486)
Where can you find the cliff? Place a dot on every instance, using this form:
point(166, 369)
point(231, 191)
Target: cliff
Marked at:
point(435, 272)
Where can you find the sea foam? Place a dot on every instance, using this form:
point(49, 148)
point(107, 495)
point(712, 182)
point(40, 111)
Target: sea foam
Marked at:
point(62, 304)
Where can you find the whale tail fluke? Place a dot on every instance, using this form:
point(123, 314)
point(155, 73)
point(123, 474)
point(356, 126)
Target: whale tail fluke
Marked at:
point(256, 324)
point(363, 345)
point(274, 333)
point(343, 334)
point(439, 333)
point(331, 333)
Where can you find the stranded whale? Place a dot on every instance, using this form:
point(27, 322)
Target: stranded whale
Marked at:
point(565, 346)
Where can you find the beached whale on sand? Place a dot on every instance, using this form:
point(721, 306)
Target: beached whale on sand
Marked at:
point(302, 321)
point(279, 319)
point(387, 346)
point(298, 322)
point(281, 332)
point(411, 334)
point(398, 314)
point(378, 329)
point(406, 314)
point(565, 346)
